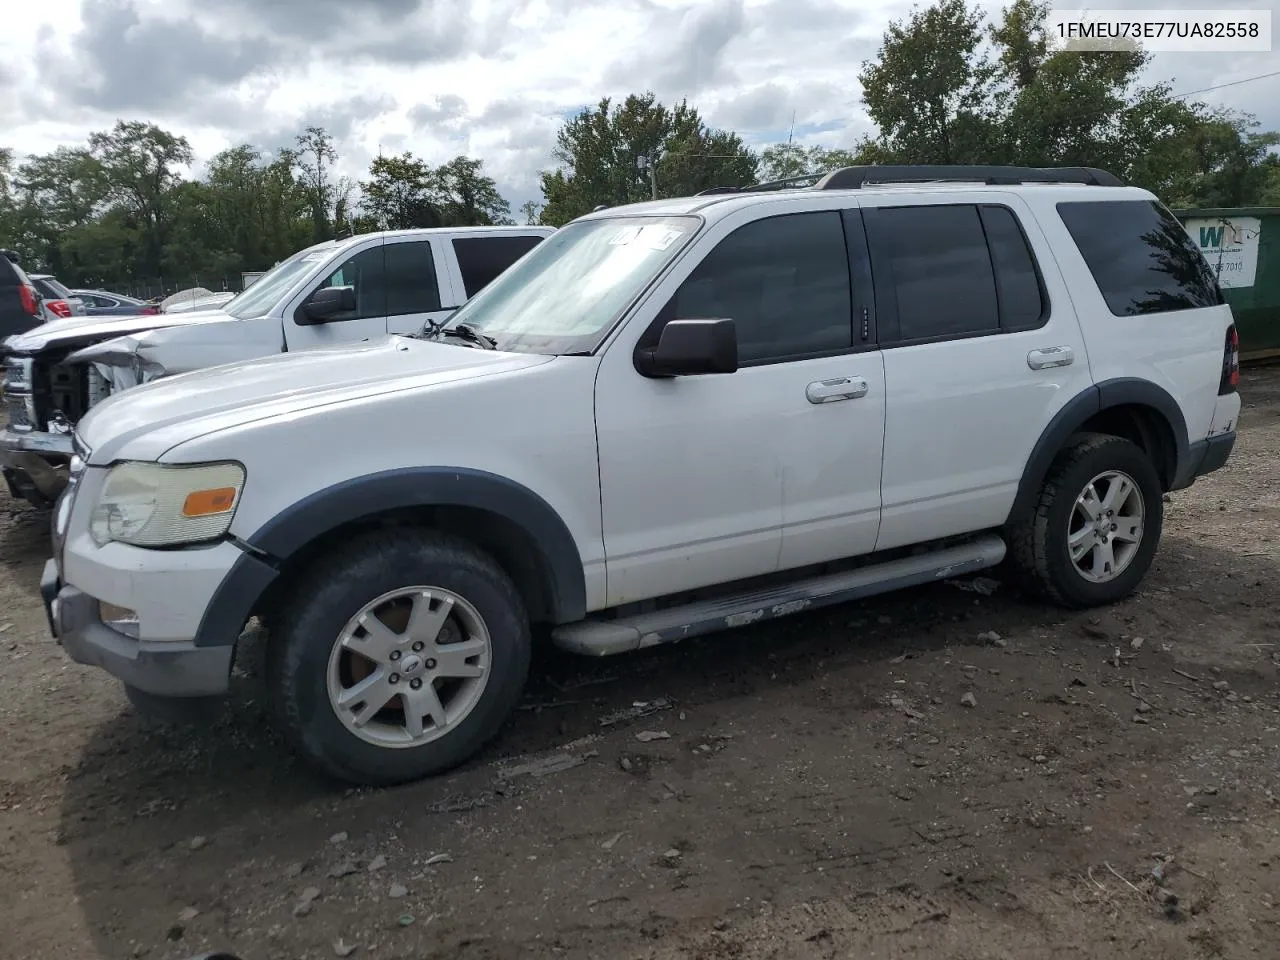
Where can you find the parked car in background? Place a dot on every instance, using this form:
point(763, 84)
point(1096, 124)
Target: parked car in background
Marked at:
point(20, 307)
point(59, 302)
point(338, 292)
point(100, 303)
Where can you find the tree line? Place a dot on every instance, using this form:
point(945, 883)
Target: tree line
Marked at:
point(946, 86)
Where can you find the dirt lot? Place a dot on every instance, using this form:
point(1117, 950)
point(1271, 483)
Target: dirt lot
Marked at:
point(820, 789)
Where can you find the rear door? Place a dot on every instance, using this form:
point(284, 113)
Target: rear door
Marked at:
point(981, 348)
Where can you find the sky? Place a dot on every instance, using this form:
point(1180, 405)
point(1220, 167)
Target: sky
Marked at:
point(490, 78)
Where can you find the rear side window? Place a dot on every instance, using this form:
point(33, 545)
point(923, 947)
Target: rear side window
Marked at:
point(934, 261)
point(482, 259)
point(1022, 305)
point(1140, 256)
point(412, 285)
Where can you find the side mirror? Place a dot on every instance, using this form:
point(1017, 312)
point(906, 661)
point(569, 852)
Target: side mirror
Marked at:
point(327, 303)
point(690, 347)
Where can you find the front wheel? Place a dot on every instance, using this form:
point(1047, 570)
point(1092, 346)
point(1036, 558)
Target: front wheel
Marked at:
point(398, 658)
point(1093, 531)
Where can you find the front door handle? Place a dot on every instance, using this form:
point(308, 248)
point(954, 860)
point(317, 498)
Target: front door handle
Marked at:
point(837, 388)
point(1051, 357)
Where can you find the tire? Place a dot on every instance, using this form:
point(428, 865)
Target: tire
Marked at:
point(1039, 541)
point(308, 665)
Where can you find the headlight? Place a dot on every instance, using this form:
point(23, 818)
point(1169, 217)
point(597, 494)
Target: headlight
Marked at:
point(164, 505)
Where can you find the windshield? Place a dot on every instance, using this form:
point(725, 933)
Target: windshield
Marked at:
point(59, 291)
point(267, 290)
point(565, 294)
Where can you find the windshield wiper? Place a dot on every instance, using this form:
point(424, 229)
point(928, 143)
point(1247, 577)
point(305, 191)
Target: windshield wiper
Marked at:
point(436, 330)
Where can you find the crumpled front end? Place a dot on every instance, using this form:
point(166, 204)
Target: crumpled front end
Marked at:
point(141, 357)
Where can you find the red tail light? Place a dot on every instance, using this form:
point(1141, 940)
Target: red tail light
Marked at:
point(150, 310)
point(30, 302)
point(60, 307)
point(1230, 363)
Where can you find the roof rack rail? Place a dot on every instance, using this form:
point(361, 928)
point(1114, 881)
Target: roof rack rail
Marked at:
point(854, 178)
point(806, 179)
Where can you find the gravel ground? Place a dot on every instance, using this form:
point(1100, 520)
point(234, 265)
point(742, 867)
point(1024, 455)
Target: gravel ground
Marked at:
point(886, 779)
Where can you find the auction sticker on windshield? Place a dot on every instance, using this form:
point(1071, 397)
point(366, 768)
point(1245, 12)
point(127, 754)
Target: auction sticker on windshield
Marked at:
point(652, 236)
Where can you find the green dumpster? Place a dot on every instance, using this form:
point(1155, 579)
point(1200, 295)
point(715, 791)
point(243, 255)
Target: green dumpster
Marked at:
point(1243, 245)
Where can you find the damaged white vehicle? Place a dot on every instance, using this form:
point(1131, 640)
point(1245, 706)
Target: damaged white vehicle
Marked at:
point(341, 291)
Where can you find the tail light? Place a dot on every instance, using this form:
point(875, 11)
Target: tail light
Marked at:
point(150, 310)
point(59, 308)
point(30, 300)
point(1230, 363)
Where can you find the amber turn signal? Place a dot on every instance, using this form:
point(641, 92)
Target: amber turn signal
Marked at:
point(203, 503)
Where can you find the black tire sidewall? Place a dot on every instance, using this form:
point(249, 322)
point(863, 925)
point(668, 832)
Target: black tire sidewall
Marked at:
point(319, 614)
point(1128, 458)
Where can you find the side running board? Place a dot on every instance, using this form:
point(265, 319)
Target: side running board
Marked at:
point(602, 638)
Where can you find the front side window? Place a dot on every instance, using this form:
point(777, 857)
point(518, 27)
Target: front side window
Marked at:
point(783, 281)
point(412, 284)
point(1140, 256)
point(365, 273)
point(566, 294)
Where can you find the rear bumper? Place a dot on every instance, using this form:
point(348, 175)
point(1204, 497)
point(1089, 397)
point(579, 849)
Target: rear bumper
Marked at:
point(1216, 451)
point(1205, 456)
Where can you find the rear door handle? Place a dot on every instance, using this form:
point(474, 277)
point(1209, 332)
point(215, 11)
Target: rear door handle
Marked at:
point(837, 388)
point(1051, 357)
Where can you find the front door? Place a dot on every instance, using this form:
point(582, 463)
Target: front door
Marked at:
point(418, 289)
point(714, 478)
point(363, 270)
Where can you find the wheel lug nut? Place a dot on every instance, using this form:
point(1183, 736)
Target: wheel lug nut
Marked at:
point(395, 654)
point(394, 678)
point(415, 683)
point(431, 664)
point(417, 647)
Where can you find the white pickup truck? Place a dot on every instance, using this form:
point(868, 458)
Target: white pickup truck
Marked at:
point(341, 291)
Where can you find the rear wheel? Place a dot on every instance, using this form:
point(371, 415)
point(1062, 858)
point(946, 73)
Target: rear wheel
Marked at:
point(1093, 531)
point(399, 658)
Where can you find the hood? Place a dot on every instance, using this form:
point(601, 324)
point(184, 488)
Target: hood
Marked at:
point(189, 405)
point(210, 342)
point(79, 331)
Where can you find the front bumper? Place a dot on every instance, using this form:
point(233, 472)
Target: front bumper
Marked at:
point(35, 463)
point(168, 668)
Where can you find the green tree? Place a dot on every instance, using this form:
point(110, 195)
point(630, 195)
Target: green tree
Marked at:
point(467, 197)
point(139, 163)
point(531, 210)
point(603, 157)
point(784, 160)
point(931, 91)
point(400, 193)
point(316, 156)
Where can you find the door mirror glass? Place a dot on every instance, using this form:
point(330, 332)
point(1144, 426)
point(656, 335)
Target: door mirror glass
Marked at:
point(328, 303)
point(691, 347)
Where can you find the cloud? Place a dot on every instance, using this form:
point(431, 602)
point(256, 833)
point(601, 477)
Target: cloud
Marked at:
point(491, 78)
point(120, 60)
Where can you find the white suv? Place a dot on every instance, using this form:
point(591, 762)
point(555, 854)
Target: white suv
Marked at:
point(667, 419)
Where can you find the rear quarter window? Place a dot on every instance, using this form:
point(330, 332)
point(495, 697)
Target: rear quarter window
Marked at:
point(1140, 256)
point(482, 259)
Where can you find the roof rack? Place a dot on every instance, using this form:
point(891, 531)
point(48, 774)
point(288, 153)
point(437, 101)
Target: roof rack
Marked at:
point(854, 178)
